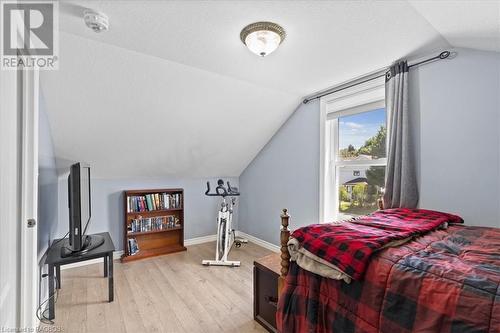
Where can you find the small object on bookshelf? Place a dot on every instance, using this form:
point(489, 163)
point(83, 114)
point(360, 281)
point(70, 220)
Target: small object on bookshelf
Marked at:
point(154, 223)
point(133, 248)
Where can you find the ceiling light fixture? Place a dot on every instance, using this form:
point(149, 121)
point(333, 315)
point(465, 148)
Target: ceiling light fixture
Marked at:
point(96, 21)
point(262, 38)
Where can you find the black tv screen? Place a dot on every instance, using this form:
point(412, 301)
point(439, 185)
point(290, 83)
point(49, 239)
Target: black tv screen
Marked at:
point(79, 204)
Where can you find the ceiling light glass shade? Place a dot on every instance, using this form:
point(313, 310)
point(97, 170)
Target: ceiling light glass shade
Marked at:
point(262, 38)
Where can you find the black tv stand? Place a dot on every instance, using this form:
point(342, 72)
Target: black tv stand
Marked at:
point(54, 260)
point(91, 242)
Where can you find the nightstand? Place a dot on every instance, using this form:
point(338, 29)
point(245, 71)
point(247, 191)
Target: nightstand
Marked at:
point(266, 271)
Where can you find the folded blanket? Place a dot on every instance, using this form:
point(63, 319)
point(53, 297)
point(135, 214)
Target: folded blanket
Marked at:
point(316, 265)
point(348, 246)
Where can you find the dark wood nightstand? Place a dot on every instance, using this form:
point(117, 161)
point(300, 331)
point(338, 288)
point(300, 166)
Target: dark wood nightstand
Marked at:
point(266, 271)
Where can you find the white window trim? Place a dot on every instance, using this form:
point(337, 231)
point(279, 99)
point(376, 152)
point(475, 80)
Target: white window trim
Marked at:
point(363, 97)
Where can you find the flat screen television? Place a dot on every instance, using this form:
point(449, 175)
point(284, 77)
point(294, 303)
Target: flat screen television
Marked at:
point(80, 211)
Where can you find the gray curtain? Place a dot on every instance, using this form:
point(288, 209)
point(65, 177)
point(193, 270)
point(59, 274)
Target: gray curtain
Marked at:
point(401, 181)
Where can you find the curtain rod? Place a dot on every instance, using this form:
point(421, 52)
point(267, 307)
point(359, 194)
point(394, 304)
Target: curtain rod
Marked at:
point(369, 77)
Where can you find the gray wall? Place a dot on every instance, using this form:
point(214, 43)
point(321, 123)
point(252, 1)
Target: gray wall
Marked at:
point(457, 109)
point(200, 211)
point(455, 106)
point(285, 174)
point(47, 182)
point(47, 194)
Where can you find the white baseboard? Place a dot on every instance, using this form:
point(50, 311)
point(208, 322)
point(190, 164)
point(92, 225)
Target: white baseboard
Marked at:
point(258, 241)
point(118, 254)
point(200, 240)
point(187, 242)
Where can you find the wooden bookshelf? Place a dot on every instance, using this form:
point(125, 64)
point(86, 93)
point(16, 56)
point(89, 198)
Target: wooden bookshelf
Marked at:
point(154, 219)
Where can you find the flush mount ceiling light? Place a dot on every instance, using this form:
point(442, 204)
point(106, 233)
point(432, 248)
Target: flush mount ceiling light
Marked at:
point(262, 38)
point(96, 21)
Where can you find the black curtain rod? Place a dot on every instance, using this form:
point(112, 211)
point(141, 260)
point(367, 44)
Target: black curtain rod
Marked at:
point(370, 77)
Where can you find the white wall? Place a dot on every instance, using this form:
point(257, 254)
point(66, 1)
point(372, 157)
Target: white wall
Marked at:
point(200, 211)
point(457, 108)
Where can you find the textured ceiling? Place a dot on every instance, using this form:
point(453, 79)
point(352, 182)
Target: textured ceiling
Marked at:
point(327, 40)
point(171, 91)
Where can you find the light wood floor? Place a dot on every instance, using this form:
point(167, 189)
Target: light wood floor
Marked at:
point(171, 293)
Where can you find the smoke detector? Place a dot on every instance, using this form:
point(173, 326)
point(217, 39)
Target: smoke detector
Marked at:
point(96, 21)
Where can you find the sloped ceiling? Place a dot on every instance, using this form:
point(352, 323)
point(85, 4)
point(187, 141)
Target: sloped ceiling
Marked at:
point(472, 24)
point(171, 91)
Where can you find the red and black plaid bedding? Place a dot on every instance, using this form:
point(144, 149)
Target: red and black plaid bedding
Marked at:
point(445, 282)
point(350, 245)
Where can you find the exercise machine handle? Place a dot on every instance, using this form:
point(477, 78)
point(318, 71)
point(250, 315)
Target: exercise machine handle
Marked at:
point(232, 190)
point(221, 190)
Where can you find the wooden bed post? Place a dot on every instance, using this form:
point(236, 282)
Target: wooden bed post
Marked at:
point(285, 255)
point(380, 202)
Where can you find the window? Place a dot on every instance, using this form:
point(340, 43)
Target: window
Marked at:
point(354, 152)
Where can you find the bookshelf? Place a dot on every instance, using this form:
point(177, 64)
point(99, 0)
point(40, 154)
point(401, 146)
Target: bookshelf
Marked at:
point(154, 223)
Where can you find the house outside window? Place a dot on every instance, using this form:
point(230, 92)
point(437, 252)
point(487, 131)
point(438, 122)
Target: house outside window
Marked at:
point(354, 150)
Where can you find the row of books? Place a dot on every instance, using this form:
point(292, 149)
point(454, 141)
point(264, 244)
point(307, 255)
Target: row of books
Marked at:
point(154, 201)
point(133, 246)
point(153, 223)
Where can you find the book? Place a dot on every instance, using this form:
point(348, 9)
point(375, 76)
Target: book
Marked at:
point(133, 246)
point(157, 201)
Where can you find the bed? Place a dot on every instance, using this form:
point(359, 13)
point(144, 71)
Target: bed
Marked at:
point(446, 280)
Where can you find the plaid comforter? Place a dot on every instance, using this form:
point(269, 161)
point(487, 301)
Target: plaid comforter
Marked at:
point(445, 282)
point(350, 244)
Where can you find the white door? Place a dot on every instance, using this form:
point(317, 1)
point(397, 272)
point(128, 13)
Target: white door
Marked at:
point(10, 217)
point(18, 198)
point(29, 198)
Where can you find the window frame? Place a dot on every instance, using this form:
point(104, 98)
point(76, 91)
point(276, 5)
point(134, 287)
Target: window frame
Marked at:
point(362, 98)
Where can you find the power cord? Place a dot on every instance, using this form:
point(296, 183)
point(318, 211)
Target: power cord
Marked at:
point(60, 240)
point(39, 313)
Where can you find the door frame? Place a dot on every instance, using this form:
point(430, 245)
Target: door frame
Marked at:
point(29, 197)
point(10, 208)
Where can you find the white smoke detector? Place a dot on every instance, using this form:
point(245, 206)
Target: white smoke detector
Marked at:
point(96, 21)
